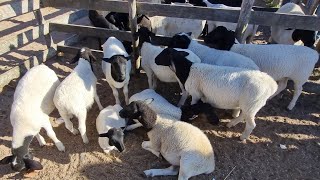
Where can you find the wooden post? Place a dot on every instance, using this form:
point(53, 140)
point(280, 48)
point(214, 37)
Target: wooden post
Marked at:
point(243, 20)
point(311, 6)
point(41, 23)
point(134, 27)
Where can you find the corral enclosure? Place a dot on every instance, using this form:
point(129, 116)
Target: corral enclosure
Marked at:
point(260, 158)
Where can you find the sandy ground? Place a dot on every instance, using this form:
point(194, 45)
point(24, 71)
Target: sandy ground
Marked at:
point(259, 158)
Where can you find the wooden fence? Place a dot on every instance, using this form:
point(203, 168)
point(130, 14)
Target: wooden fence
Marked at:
point(242, 17)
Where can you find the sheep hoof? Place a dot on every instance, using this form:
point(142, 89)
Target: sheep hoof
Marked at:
point(148, 173)
point(42, 142)
point(229, 125)
point(243, 139)
point(60, 146)
point(290, 107)
point(75, 132)
point(106, 151)
point(85, 140)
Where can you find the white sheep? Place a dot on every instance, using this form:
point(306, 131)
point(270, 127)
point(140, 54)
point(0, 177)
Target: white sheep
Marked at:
point(77, 92)
point(109, 126)
point(33, 102)
point(291, 36)
point(224, 87)
point(210, 55)
point(149, 53)
point(116, 66)
point(281, 62)
point(169, 26)
point(183, 145)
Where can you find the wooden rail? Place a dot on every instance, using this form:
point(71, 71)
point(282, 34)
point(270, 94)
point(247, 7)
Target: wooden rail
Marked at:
point(17, 8)
point(181, 11)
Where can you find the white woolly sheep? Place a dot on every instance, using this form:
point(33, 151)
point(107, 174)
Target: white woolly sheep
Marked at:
point(77, 92)
point(162, 107)
point(211, 25)
point(109, 126)
point(149, 53)
point(116, 66)
point(210, 55)
point(224, 87)
point(281, 62)
point(183, 145)
point(291, 36)
point(169, 26)
point(33, 102)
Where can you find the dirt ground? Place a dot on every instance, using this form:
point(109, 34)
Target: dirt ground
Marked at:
point(259, 158)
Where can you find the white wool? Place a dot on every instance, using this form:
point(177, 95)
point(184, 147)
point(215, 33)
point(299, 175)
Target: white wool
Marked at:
point(282, 62)
point(279, 34)
point(248, 34)
point(221, 58)
point(148, 54)
point(110, 48)
point(76, 94)
point(231, 88)
point(181, 144)
point(33, 102)
point(108, 118)
point(169, 26)
point(159, 104)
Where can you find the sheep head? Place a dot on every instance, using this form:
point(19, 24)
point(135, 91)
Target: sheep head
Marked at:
point(181, 40)
point(116, 137)
point(220, 38)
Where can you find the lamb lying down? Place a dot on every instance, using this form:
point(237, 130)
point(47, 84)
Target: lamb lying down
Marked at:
point(183, 145)
point(109, 126)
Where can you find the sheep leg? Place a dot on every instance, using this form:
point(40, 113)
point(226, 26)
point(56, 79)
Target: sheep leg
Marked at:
point(41, 140)
point(115, 94)
point(297, 92)
point(133, 126)
point(147, 145)
point(68, 123)
point(235, 121)
point(154, 81)
point(150, 77)
point(236, 113)
point(250, 125)
point(184, 95)
point(187, 167)
point(97, 99)
point(170, 171)
point(282, 84)
point(82, 125)
point(194, 99)
point(125, 92)
point(48, 127)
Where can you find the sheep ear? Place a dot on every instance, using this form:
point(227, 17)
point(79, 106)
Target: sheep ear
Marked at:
point(105, 59)
point(148, 101)
point(6, 160)
point(189, 33)
point(32, 164)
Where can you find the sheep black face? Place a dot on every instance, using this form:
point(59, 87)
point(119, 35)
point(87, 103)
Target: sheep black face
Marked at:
point(139, 110)
point(198, 3)
point(177, 62)
point(21, 159)
point(306, 36)
point(144, 35)
point(118, 67)
point(84, 53)
point(220, 38)
point(116, 137)
point(181, 40)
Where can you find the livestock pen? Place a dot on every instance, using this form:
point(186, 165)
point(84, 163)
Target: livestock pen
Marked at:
point(261, 157)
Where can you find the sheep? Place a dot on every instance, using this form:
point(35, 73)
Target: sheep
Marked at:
point(77, 92)
point(116, 66)
point(183, 145)
point(281, 35)
point(149, 53)
point(121, 20)
point(281, 62)
point(224, 87)
point(33, 102)
point(248, 34)
point(169, 26)
point(162, 107)
point(109, 126)
point(210, 55)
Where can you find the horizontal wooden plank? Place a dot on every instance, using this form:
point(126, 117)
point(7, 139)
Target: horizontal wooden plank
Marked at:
point(90, 31)
point(74, 50)
point(182, 11)
point(18, 7)
point(102, 5)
